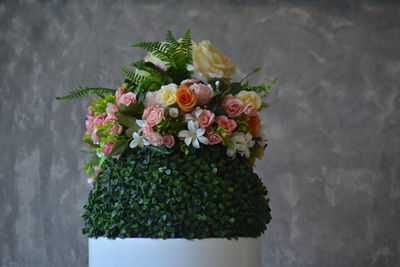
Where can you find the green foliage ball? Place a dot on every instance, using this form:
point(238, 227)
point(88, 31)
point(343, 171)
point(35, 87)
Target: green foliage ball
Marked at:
point(154, 194)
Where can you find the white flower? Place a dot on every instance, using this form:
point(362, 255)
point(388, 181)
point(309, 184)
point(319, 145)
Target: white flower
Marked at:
point(173, 112)
point(141, 123)
point(242, 143)
point(138, 141)
point(194, 135)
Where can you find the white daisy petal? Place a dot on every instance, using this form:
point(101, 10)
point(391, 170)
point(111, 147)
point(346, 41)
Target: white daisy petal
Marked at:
point(183, 133)
point(133, 144)
point(195, 143)
point(188, 140)
point(200, 132)
point(203, 140)
point(191, 126)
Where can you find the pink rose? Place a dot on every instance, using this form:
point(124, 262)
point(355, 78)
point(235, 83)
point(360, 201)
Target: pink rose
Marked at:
point(169, 141)
point(227, 124)
point(115, 129)
point(150, 99)
point(203, 92)
point(100, 119)
point(119, 93)
point(108, 147)
point(234, 107)
point(214, 138)
point(153, 115)
point(94, 137)
point(250, 110)
point(127, 99)
point(111, 109)
point(155, 139)
point(226, 98)
point(89, 110)
point(89, 124)
point(188, 83)
point(206, 118)
point(147, 130)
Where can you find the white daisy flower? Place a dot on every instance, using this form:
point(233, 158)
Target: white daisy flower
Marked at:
point(138, 141)
point(194, 135)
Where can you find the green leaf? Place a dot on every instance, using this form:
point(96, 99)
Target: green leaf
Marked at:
point(119, 147)
point(128, 121)
point(135, 110)
point(84, 91)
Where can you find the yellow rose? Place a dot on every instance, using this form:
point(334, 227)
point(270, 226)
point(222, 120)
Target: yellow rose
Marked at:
point(210, 62)
point(166, 96)
point(250, 97)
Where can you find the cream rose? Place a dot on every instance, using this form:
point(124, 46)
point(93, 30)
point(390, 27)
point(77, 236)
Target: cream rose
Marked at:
point(210, 62)
point(250, 97)
point(166, 96)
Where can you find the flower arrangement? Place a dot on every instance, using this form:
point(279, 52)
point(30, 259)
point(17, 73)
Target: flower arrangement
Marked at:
point(180, 95)
point(179, 101)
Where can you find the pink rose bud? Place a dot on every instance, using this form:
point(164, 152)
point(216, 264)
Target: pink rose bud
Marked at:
point(155, 139)
point(146, 130)
point(169, 141)
point(89, 111)
point(250, 110)
point(100, 119)
point(108, 147)
point(227, 124)
point(234, 107)
point(188, 83)
point(153, 115)
point(206, 118)
point(118, 94)
point(127, 99)
point(97, 170)
point(89, 124)
point(203, 92)
point(116, 129)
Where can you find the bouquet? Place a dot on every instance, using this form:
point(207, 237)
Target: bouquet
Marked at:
point(177, 105)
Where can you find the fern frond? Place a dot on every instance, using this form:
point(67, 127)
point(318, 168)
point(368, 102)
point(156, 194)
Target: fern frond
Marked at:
point(84, 91)
point(133, 77)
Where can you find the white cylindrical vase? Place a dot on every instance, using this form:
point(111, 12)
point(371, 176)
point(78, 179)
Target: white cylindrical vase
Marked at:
point(147, 252)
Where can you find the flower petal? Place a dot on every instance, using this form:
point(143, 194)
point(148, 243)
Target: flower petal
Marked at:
point(200, 132)
point(183, 133)
point(203, 140)
point(188, 140)
point(141, 123)
point(133, 144)
point(195, 143)
point(191, 126)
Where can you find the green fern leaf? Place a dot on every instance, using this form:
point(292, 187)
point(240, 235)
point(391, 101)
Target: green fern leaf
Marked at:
point(84, 91)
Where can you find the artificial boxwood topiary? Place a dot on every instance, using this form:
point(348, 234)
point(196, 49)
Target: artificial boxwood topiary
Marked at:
point(158, 194)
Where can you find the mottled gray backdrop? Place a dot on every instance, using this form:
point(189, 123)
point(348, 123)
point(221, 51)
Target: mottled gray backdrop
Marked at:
point(332, 165)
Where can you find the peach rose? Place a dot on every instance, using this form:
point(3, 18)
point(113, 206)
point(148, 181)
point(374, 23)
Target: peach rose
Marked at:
point(234, 107)
point(226, 98)
point(127, 99)
point(155, 139)
point(203, 92)
point(186, 98)
point(169, 141)
point(255, 125)
point(250, 110)
point(206, 118)
point(228, 124)
point(153, 115)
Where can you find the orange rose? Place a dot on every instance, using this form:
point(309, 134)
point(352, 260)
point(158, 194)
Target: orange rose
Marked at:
point(186, 98)
point(254, 123)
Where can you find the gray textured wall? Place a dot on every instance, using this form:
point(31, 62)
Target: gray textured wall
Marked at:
point(332, 166)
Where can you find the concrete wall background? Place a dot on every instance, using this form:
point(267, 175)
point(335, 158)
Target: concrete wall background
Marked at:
point(332, 167)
